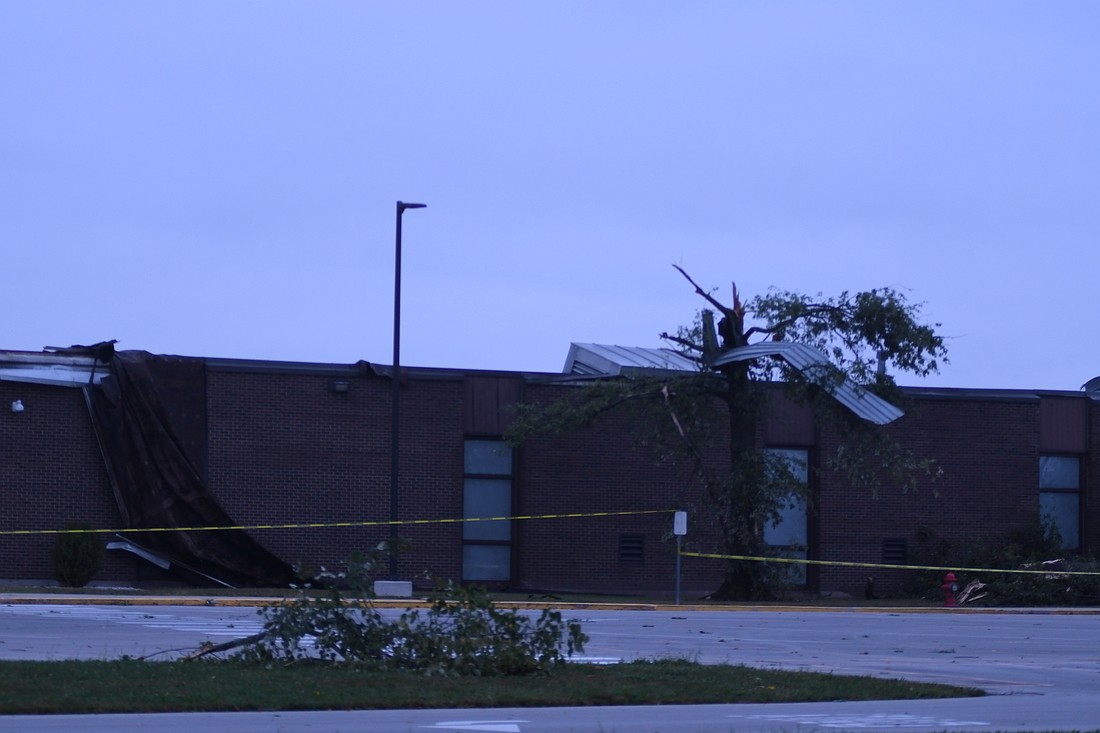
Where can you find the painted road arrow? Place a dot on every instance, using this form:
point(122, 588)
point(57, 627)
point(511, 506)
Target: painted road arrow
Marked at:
point(495, 726)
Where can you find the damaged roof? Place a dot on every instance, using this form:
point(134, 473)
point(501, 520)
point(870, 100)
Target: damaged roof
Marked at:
point(603, 360)
point(59, 367)
point(809, 361)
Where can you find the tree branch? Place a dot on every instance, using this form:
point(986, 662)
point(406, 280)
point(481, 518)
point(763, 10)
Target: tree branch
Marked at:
point(568, 414)
point(225, 646)
point(810, 312)
point(695, 453)
point(707, 296)
point(686, 343)
point(758, 329)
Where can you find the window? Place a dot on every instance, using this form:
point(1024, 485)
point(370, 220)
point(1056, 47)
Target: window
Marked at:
point(789, 533)
point(487, 492)
point(1060, 497)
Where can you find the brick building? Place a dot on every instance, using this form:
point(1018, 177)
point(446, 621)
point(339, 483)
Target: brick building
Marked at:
point(280, 444)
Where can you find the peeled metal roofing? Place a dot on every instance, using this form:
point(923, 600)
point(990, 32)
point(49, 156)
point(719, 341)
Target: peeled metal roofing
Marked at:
point(53, 369)
point(807, 359)
point(600, 359)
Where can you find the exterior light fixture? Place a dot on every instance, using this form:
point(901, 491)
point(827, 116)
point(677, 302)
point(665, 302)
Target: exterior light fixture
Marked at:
point(17, 406)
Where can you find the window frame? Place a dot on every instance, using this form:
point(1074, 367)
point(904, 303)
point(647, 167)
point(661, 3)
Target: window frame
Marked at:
point(471, 543)
point(800, 573)
point(1057, 490)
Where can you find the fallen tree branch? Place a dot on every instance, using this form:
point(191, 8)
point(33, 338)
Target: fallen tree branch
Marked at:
point(225, 646)
point(147, 657)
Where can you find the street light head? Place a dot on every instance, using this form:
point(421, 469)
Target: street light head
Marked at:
point(401, 206)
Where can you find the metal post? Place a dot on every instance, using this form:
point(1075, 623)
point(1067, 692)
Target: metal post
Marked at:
point(679, 528)
point(679, 541)
point(396, 401)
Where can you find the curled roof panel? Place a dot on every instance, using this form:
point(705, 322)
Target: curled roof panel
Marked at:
point(601, 359)
point(807, 360)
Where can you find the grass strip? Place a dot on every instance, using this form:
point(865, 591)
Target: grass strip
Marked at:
point(135, 686)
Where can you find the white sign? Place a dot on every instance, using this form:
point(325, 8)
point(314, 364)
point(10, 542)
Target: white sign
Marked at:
point(680, 524)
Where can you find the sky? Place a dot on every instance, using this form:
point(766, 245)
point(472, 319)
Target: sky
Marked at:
point(218, 177)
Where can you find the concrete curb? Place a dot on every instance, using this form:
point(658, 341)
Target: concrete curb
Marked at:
point(73, 599)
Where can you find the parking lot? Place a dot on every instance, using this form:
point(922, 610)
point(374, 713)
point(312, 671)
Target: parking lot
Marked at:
point(1041, 669)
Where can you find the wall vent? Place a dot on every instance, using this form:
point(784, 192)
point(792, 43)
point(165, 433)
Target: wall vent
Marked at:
point(895, 551)
point(631, 548)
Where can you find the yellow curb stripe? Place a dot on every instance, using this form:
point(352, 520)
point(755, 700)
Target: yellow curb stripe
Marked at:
point(840, 564)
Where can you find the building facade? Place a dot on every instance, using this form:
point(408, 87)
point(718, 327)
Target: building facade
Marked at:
point(300, 455)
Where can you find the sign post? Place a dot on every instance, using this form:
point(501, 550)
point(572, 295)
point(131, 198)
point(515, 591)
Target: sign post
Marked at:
point(679, 528)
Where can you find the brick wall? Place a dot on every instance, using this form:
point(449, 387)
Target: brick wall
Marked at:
point(988, 452)
point(283, 447)
point(603, 469)
point(51, 476)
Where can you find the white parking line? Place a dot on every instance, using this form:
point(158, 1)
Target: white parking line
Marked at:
point(168, 622)
point(876, 721)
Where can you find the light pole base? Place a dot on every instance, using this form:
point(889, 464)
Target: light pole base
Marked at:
point(393, 589)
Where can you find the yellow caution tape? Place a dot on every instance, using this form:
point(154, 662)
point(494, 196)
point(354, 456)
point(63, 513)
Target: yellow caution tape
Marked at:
point(321, 525)
point(837, 563)
point(572, 515)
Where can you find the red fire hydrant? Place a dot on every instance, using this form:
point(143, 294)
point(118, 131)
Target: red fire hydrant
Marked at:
point(950, 588)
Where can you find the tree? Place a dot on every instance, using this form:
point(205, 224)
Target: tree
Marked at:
point(857, 335)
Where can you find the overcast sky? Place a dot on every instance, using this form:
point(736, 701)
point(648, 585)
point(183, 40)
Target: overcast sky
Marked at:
point(219, 178)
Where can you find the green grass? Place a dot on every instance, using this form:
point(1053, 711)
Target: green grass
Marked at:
point(135, 686)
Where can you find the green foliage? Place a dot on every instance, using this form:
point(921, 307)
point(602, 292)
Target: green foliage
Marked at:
point(855, 330)
point(580, 408)
point(860, 334)
point(1036, 547)
point(684, 416)
point(1051, 588)
point(461, 633)
point(77, 556)
point(869, 457)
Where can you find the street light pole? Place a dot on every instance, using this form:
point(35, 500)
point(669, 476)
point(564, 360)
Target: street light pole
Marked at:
point(396, 402)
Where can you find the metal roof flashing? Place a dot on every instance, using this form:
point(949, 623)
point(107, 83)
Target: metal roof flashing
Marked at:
point(64, 370)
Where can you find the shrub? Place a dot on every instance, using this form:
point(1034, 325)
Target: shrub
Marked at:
point(1035, 548)
point(465, 634)
point(77, 556)
point(462, 632)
